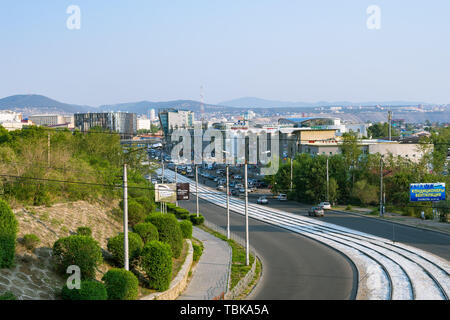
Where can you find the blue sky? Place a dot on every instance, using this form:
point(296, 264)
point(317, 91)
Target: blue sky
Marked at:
point(284, 50)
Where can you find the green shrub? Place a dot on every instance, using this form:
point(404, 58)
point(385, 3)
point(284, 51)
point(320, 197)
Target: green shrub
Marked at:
point(84, 231)
point(121, 284)
point(89, 290)
point(8, 234)
point(196, 221)
point(156, 261)
point(186, 229)
point(169, 231)
point(349, 207)
point(30, 241)
point(181, 213)
point(146, 203)
point(7, 296)
point(136, 211)
point(115, 246)
point(82, 251)
point(198, 250)
point(146, 231)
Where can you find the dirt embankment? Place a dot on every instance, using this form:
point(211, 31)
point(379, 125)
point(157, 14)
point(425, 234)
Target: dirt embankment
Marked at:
point(33, 277)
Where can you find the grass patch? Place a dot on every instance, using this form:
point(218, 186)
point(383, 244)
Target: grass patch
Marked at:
point(238, 267)
point(178, 263)
point(44, 216)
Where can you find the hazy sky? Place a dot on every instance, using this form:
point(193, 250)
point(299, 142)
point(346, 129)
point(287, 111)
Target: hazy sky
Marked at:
point(278, 49)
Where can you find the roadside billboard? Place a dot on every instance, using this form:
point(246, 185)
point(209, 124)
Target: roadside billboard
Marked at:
point(182, 191)
point(427, 191)
point(166, 192)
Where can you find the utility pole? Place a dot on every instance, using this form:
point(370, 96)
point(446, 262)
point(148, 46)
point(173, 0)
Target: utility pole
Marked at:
point(48, 150)
point(125, 217)
point(247, 257)
point(390, 124)
point(292, 166)
point(176, 200)
point(228, 203)
point(328, 183)
point(381, 186)
point(196, 186)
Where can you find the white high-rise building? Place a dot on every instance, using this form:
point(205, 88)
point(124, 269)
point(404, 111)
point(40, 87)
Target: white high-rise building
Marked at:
point(153, 115)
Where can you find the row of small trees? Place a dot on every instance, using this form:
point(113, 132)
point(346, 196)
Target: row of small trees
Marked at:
point(354, 177)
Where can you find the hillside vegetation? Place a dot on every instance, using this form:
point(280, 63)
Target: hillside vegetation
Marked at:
point(40, 166)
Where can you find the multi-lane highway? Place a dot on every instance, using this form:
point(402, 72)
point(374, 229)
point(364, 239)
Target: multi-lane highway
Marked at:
point(384, 269)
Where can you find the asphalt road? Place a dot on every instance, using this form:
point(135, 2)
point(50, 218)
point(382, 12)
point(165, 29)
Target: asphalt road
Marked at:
point(294, 267)
point(434, 242)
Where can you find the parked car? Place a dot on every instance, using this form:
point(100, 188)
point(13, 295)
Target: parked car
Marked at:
point(262, 200)
point(282, 197)
point(241, 190)
point(234, 192)
point(316, 212)
point(325, 205)
point(220, 188)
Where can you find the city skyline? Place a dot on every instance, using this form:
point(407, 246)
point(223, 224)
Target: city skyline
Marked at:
point(283, 51)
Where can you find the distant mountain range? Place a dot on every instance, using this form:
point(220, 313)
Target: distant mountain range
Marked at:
point(33, 104)
point(39, 102)
point(252, 102)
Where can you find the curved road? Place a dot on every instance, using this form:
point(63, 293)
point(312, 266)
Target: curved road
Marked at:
point(390, 270)
point(294, 267)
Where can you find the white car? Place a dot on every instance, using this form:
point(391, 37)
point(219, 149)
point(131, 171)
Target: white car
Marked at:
point(325, 205)
point(282, 197)
point(220, 188)
point(262, 200)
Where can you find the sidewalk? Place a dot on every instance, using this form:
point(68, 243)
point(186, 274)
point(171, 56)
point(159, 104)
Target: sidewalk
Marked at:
point(210, 278)
point(406, 220)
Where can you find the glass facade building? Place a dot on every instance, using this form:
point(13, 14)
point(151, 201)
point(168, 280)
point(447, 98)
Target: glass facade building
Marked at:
point(122, 122)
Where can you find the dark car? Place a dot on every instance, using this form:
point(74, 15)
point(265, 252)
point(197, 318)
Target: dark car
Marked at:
point(315, 212)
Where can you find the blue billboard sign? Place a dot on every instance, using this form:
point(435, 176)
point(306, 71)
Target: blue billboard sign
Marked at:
point(427, 191)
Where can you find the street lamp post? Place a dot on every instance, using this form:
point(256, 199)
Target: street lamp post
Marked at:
point(228, 197)
point(176, 199)
point(381, 186)
point(196, 186)
point(247, 258)
point(125, 216)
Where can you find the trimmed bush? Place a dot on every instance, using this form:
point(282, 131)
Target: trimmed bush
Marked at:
point(121, 284)
point(82, 251)
point(169, 231)
point(8, 234)
point(181, 213)
point(7, 296)
point(136, 212)
point(30, 241)
point(146, 203)
point(115, 246)
point(198, 250)
point(186, 229)
point(84, 231)
point(89, 290)
point(157, 263)
point(146, 231)
point(196, 221)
